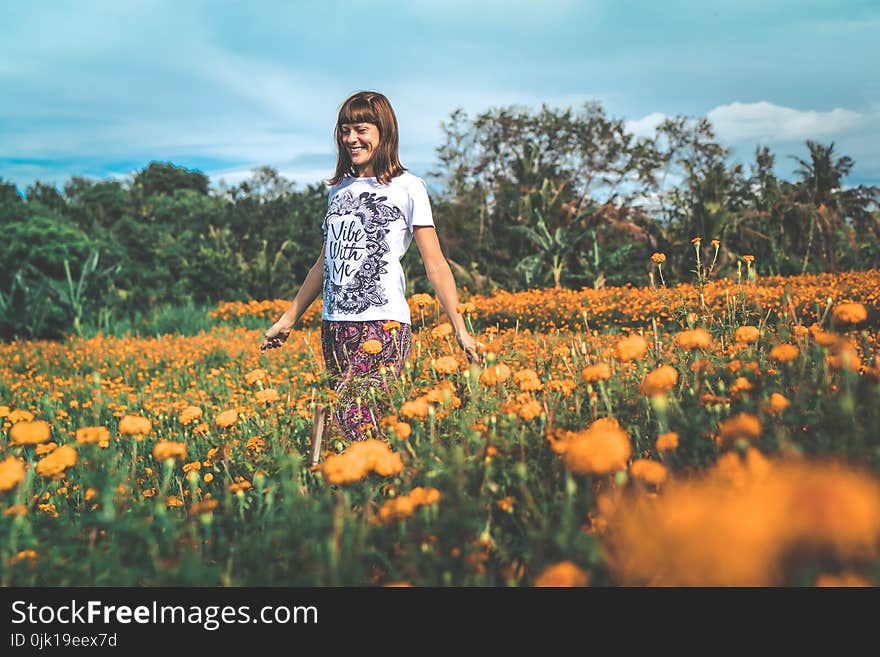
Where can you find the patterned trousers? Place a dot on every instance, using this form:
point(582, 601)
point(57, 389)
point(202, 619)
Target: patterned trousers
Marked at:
point(362, 395)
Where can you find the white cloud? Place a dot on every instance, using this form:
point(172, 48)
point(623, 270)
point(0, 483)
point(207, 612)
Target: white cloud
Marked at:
point(765, 121)
point(645, 126)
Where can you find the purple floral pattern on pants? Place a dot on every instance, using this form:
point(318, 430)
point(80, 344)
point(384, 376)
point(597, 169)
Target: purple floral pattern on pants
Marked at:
point(362, 395)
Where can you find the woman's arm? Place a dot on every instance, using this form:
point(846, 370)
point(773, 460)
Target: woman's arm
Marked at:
point(441, 278)
point(277, 334)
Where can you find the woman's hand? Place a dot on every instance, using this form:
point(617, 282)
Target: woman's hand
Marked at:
point(276, 336)
point(471, 347)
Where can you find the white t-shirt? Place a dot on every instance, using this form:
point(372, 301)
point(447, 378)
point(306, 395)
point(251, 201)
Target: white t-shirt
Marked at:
point(368, 228)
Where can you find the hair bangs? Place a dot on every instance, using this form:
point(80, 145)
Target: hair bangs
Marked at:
point(359, 110)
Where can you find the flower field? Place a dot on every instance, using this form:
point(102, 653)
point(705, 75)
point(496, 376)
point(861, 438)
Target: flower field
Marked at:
point(724, 433)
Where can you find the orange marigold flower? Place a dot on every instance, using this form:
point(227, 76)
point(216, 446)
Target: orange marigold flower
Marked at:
point(169, 449)
point(778, 403)
point(415, 408)
point(659, 381)
point(372, 346)
point(391, 325)
point(748, 258)
point(226, 418)
point(446, 364)
point(29, 433)
point(441, 331)
point(93, 435)
point(527, 380)
point(647, 471)
point(466, 307)
point(849, 313)
point(256, 375)
point(57, 462)
point(422, 299)
point(603, 448)
point(266, 396)
point(696, 240)
point(597, 372)
point(189, 467)
point(716, 243)
point(746, 334)
point(563, 574)
point(15, 510)
point(45, 448)
point(630, 348)
point(530, 410)
point(189, 415)
point(11, 473)
point(667, 442)
point(135, 425)
point(402, 430)
point(202, 507)
point(697, 338)
point(784, 353)
point(659, 258)
point(743, 426)
point(495, 374)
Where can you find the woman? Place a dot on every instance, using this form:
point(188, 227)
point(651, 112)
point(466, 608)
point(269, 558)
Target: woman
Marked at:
point(375, 209)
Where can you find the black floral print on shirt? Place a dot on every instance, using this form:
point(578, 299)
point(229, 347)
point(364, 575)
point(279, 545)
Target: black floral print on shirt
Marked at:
point(364, 289)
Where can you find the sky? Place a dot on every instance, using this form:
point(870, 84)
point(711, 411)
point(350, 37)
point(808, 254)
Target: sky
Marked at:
point(100, 89)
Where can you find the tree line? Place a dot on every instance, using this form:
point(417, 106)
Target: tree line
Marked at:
point(525, 199)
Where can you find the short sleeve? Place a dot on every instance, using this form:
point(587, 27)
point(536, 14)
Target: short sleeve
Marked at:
point(421, 205)
point(329, 201)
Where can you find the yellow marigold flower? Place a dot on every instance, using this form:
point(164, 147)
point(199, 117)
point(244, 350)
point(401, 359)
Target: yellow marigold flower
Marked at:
point(29, 433)
point(746, 334)
point(748, 258)
point(372, 346)
point(603, 448)
point(57, 462)
point(441, 331)
point(11, 473)
point(659, 258)
point(495, 374)
point(135, 425)
point(778, 403)
point(189, 415)
point(630, 348)
point(226, 418)
point(391, 325)
point(45, 448)
point(597, 372)
point(784, 353)
point(697, 338)
point(20, 415)
point(667, 442)
point(647, 471)
point(743, 426)
point(659, 381)
point(169, 449)
point(849, 313)
point(446, 365)
point(266, 396)
point(563, 574)
point(256, 375)
point(93, 435)
point(422, 299)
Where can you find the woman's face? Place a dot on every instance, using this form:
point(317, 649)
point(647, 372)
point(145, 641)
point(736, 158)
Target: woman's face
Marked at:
point(361, 141)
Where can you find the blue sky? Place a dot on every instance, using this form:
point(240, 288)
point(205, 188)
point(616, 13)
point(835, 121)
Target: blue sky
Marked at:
point(100, 88)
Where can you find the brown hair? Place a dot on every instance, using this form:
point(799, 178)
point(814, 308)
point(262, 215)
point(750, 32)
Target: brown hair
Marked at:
point(369, 107)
